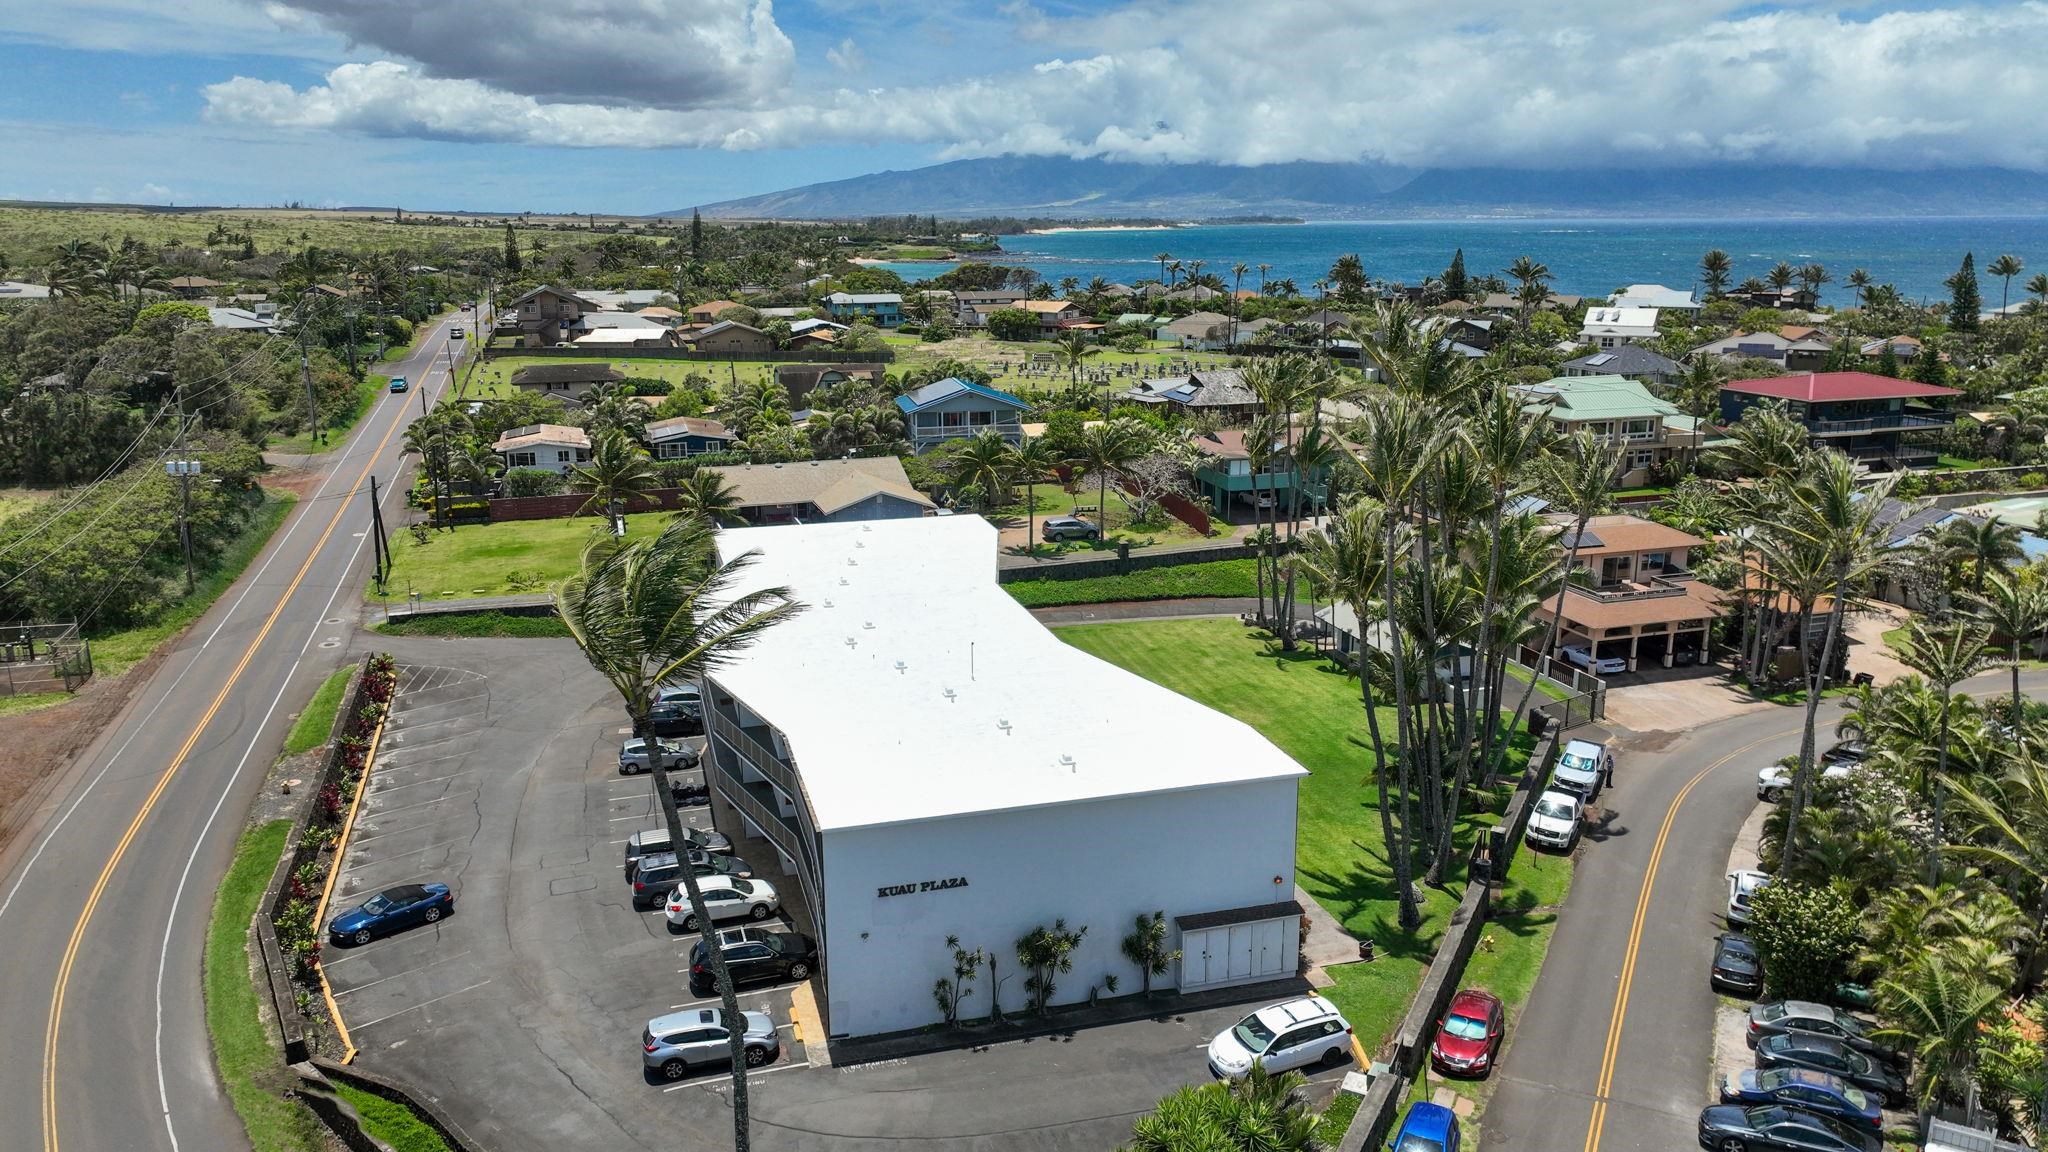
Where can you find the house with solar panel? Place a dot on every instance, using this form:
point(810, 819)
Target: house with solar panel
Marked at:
point(1631, 360)
point(1646, 431)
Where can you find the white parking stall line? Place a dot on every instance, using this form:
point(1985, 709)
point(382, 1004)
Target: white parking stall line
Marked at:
point(417, 1007)
point(339, 992)
point(431, 723)
point(410, 827)
point(407, 711)
point(633, 816)
point(415, 851)
point(441, 799)
point(726, 1077)
point(416, 783)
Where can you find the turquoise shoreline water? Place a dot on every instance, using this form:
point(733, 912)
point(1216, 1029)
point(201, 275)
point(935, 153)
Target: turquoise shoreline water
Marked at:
point(1588, 257)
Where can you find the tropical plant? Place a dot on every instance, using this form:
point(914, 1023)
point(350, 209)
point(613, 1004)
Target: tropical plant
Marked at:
point(950, 991)
point(1945, 658)
point(1146, 947)
point(704, 495)
point(2005, 268)
point(1936, 1011)
point(2017, 612)
point(1034, 461)
point(617, 469)
point(982, 462)
point(1110, 447)
point(1047, 954)
point(1261, 1112)
point(1715, 270)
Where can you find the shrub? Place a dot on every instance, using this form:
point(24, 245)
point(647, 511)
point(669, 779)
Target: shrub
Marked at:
point(533, 482)
point(1806, 936)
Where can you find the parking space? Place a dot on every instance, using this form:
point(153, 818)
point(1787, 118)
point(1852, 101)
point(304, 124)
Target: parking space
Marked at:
point(522, 1013)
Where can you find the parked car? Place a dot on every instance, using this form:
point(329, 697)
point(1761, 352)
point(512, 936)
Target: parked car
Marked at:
point(391, 910)
point(1737, 968)
point(1811, 1019)
point(1774, 782)
point(725, 898)
point(1469, 1036)
point(1769, 1127)
point(1846, 752)
point(1580, 769)
point(1427, 1128)
point(1742, 884)
point(1069, 528)
point(674, 1044)
point(682, 718)
point(753, 955)
point(1554, 822)
point(1598, 665)
point(689, 793)
point(651, 841)
point(1293, 1034)
point(654, 877)
point(1819, 1092)
point(1794, 1050)
point(634, 757)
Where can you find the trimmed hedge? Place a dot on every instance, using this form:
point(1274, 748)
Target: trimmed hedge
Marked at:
point(1215, 578)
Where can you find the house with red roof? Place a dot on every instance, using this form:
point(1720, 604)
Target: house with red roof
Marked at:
point(1867, 416)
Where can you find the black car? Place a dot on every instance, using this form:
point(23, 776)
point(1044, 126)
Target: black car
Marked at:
point(1729, 1128)
point(682, 718)
point(1846, 752)
point(1811, 1019)
point(1795, 1050)
point(1737, 967)
point(753, 955)
point(689, 794)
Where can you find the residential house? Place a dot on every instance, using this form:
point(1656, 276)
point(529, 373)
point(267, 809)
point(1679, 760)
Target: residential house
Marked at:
point(1198, 331)
point(239, 319)
point(1864, 415)
point(1197, 294)
point(546, 316)
point(737, 340)
point(1508, 302)
point(814, 324)
point(665, 316)
point(814, 491)
point(1645, 430)
point(952, 409)
point(1631, 360)
point(21, 290)
point(631, 321)
point(1221, 391)
point(813, 339)
point(1264, 330)
point(568, 380)
point(1797, 347)
point(1145, 320)
point(1320, 325)
point(971, 307)
point(1225, 477)
point(884, 308)
point(604, 339)
point(553, 447)
point(1903, 348)
point(1471, 331)
point(1119, 291)
point(1655, 296)
point(193, 286)
point(1613, 327)
point(626, 301)
point(800, 380)
point(1792, 299)
point(707, 312)
point(1635, 597)
point(1053, 315)
point(682, 436)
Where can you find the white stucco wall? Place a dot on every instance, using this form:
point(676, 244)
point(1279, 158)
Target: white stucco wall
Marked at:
point(1098, 864)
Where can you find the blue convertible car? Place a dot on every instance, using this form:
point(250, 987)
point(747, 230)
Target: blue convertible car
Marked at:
point(390, 910)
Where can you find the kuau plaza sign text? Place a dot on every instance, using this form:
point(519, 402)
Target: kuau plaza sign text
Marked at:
point(921, 886)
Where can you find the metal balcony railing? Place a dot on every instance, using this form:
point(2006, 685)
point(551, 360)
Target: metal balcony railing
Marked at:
point(1671, 582)
point(755, 752)
point(1900, 422)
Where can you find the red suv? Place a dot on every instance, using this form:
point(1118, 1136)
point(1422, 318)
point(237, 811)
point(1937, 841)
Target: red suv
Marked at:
point(1468, 1038)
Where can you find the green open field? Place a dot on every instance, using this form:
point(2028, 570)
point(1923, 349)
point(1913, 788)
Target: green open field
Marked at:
point(493, 378)
point(481, 559)
point(26, 232)
point(1311, 710)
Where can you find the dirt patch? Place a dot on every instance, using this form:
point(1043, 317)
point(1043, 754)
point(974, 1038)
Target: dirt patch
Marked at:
point(300, 482)
point(42, 743)
point(1653, 741)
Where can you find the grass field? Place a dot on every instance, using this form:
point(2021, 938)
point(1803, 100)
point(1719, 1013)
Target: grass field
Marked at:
point(244, 1048)
point(26, 232)
point(493, 625)
point(1311, 710)
point(310, 730)
point(1215, 578)
point(481, 559)
point(391, 1122)
point(493, 378)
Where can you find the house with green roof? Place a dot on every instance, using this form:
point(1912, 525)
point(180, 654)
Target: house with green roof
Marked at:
point(1646, 430)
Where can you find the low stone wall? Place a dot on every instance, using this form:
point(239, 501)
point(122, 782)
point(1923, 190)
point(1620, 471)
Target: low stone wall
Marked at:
point(429, 1113)
point(1081, 565)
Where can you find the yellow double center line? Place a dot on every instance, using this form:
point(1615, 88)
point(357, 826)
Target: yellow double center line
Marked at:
point(185, 750)
point(1635, 941)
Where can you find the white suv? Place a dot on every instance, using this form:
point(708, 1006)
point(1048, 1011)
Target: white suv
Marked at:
point(1295, 1034)
point(725, 898)
point(1774, 782)
point(1555, 821)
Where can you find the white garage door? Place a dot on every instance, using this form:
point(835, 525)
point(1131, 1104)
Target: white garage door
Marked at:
point(1234, 954)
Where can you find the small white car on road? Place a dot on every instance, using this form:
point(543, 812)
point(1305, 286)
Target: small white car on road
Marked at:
point(725, 898)
point(1554, 823)
point(1295, 1034)
point(1742, 884)
point(1598, 665)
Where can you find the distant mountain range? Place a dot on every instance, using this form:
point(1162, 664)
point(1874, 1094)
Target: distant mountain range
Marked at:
point(1037, 186)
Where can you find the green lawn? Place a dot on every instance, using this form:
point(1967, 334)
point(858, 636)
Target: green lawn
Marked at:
point(481, 559)
point(1053, 500)
point(1214, 578)
point(493, 378)
point(392, 1122)
point(496, 625)
point(310, 730)
point(1311, 710)
point(244, 1045)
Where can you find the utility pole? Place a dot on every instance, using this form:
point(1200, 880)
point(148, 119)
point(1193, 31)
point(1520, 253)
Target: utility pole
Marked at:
point(306, 373)
point(183, 469)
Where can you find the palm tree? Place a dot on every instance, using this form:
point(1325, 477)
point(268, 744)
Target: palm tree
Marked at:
point(2017, 611)
point(1263, 269)
point(1533, 279)
point(1859, 280)
point(1988, 545)
point(1035, 460)
point(2037, 285)
point(2005, 268)
point(1074, 349)
point(2013, 810)
point(1163, 257)
point(658, 612)
point(1698, 394)
point(1780, 277)
point(1505, 442)
point(1263, 1112)
point(1937, 1010)
point(617, 468)
point(1581, 474)
point(1812, 276)
point(1945, 659)
point(1714, 272)
point(704, 495)
point(982, 462)
point(1110, 447)
point(1237, 272)
point(476, 463)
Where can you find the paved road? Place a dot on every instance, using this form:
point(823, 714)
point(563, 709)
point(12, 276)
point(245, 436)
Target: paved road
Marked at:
point(1614, 1051)
point(105, 897)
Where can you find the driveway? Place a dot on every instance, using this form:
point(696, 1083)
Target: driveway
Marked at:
point(521, 1014)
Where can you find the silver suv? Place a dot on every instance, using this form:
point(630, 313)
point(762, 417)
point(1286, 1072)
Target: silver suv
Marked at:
point(674, 1044)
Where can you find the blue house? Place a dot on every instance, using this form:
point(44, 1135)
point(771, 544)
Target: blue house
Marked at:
point(953, 408)
point(884, 308)
point(687, 436)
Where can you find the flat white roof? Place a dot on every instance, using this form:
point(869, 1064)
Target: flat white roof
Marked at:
point(878, 745)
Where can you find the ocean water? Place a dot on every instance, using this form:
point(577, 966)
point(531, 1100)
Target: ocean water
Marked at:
point(1587, 257)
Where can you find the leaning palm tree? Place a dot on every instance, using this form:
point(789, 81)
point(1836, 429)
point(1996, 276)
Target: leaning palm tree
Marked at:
point(1034, 461)
point(704, 495)
point(2017, 611)
point(617, 468)
point(1580, 474)
point(1859, 280)
point(659, 612)
point(1111, 446)
point(982, 462)
point(1945, 658)
point(2005, 268)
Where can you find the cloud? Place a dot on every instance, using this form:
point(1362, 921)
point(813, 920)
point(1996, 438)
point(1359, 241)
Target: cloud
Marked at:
point(847, 56)
point(1655, 82)
point(638, 53)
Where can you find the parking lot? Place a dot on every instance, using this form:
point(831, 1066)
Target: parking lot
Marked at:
point(522, 1013)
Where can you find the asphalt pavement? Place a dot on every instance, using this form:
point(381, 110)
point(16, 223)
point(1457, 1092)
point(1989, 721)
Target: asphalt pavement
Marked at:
point(105, 897)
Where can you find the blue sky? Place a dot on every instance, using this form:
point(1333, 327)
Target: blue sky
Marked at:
point(651, 105)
